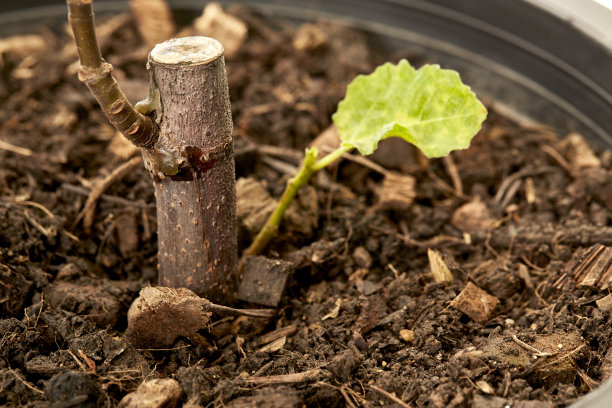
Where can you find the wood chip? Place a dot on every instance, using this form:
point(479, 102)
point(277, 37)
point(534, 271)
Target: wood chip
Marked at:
point(472, 217)
point(160, 315)
point(154, 21)
point(530, 191)
point(157, 393)
point(274, 346)
point(263, 280)
point(592, 267)
point(334, 312)
point(253, 204)
point(397, 191)
point(438, 267)
point(344, 364)
point(371, 313)
point(309, 37)
point(90, 363)
point(22, 45)
point(485, 387)
point(578, 152)
point(605, 303)
point(306, 376)
point(523, 273)
point(477, 304)
point(229, 30)
point(276, 334)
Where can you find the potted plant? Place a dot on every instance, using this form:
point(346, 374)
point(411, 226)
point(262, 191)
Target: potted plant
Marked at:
point(374, 320)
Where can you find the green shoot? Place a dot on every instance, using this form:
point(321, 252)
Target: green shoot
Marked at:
point(429, 107)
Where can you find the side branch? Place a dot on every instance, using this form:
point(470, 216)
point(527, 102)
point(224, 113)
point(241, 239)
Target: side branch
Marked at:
point(97, 75)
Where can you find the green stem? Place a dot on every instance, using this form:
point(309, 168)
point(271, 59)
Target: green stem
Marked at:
point(309, 167)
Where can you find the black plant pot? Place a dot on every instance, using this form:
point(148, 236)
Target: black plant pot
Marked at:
point(532, 65)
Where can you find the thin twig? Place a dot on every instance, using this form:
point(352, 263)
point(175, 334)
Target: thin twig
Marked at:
point(513, 188)
point(556, 156)
point(453, 172)
point(263, 368)
point(24, 382)
point(165, 349)
point(292, 155)
point(16, 201)
point(79, 362)
point(37, 205)
point(105, 197)
point(351, 397)
point(296, 378)
point(364, 161)
point(22, 151)
point(105, 183)
point(226, 310)
point(390, 396)
point(536, 364)
point(46, 232)
point(445, 187)
point(585, 378)
point(564, 356)
point(42, 304)
point(528, 347)
point(505, 185)
point(279, 165)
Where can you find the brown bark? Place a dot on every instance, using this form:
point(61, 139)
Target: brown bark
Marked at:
point(193, 167)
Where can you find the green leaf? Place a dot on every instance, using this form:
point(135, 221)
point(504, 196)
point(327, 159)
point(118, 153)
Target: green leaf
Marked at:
point(429, 107)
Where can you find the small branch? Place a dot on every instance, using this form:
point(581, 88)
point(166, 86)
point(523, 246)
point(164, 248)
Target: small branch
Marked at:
point(111, 199)
point(390, 396)
point(15, 149)
point(306, 376)
point(96, 74)
point(509, 181)
point(453, 172)
point(230, 311)
point(14, 201)
point(555, 155)
point(527, 347)
point(79, 362)
point(81, 18)
point(24, 382)
point(364, 161)
point(103, 184)
point(46, 232)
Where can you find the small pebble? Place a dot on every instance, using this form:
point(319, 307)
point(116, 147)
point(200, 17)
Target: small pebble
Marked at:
point(406, 335)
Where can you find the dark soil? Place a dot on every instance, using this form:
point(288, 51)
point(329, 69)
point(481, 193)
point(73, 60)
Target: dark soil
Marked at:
point(362, 320)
